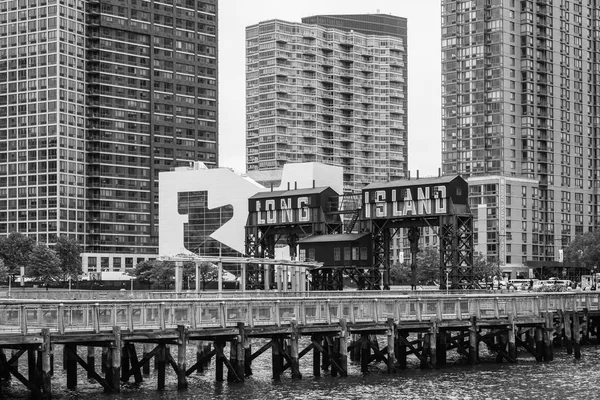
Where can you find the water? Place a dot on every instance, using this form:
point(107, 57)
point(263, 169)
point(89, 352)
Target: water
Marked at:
point(563, 378)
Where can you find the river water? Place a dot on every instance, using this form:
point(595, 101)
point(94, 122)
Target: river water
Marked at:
point(563, 378)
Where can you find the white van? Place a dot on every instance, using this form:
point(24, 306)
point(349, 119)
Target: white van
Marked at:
point(522, 284)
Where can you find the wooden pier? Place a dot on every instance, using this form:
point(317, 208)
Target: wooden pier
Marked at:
point(359, 327)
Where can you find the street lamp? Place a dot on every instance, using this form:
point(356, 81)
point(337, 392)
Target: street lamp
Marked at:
point(448, 270)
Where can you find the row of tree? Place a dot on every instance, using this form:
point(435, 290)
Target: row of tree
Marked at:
point(428, 268)
point(43, 264)
point(161, 274)
point(584, 252)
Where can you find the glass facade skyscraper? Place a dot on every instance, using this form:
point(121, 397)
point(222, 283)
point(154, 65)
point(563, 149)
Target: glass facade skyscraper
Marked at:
point(97, 97)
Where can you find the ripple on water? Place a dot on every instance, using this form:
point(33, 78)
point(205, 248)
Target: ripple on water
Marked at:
point(564, 378)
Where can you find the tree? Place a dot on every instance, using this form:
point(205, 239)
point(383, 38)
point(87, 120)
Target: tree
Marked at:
point(208, 272)
point(16, 249)
point(3, 271)
point(143, 271)
point(584, 251)
point(69, 254)
point(44, 265)
point(428, 265)
point(483, 269)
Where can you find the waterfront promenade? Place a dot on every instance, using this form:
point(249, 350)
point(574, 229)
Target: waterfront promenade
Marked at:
point(365, 327)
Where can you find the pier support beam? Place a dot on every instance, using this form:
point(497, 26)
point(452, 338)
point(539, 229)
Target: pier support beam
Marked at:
point(70, 349)
point(161, 361)
point(473, 342)
point(576, 335)
point(548, 335)
point(391, 339)
point(539, 343)
point(46, 378)
point(219, 360)
point(295, 360)
point(240, 343)
point(181, 353)
point(512, 343)
point(567, 332)
point(316, 356)
point(343, 359)
point(115, 360)
point(276, 358)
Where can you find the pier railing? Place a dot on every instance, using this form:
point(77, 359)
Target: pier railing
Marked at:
point(31, 316)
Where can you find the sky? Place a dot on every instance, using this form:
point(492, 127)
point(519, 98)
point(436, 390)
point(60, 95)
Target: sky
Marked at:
point(424, 69)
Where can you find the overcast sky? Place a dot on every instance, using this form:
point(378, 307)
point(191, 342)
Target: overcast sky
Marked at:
point(424, 69)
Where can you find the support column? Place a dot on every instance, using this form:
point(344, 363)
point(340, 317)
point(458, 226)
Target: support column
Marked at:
point(365, 354)
point(402, 339)
point(343, 359)
point(512, 343)
point(316, 356)
point(219, 356)
point(233, 361)
point(548, 334)
point(433, 334)
point(295, 360)
point(585, 327)
point(425, 349)
point(276, 358)
point(70, 365)
point(576, 335)
point(441, 347)
point(125, 363)
point(161, 360)
point(391, 336)
point(473, 342)
point(115, 350)
point(91, 361)
point(567, 329)
point(181, 352)
point(539, 343)
point(46, 365)
point(240, 367)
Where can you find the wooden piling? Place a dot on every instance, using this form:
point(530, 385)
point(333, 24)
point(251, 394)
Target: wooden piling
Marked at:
point(199, 357)
point(32, 365)
point(433, 333)
point(219, 360)
point(576, 335)
point(343, 359)
point(332, 355)
point(276, 358)
point(425, 349)
point(125, 363)
point(567, 332)
point(391, 336)
point(294, 358)
point(233, 360)
point(548, 334)
point(325, 354)
point(539, 343)
point(365, 355)
point(70, 365)
point(585, 325)
point(145, 350)
point(240, 367)
point(356, 343)
point(91, 361)
point(401, 353)
point(104, 360)
point(441, 347)
point(46, 378)
point(181, 355)
point(316, 356)
point(115, 349)
point(473, 342)
point(512, 343)
point(247, 356)
point(161, 361)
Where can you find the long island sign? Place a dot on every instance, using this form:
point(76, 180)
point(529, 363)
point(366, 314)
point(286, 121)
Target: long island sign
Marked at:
point(422, 197)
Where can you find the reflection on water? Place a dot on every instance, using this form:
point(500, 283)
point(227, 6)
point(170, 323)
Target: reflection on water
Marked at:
point(564, 378)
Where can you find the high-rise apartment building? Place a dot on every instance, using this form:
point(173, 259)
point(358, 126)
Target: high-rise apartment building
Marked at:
point(338, 96)
point(97, 97)
point(520, 100)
